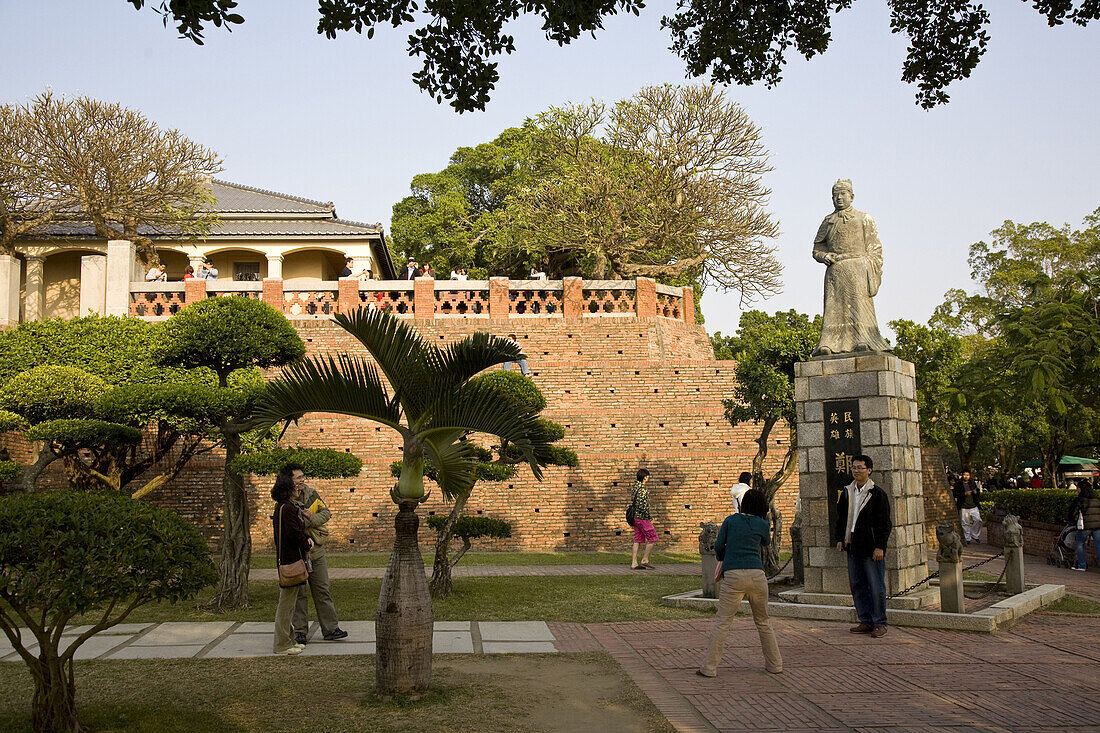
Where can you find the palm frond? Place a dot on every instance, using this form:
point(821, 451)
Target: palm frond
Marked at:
point(346, 386)
point(479, 408)
point(458, 362)
point(400, 352)
point(455, 462)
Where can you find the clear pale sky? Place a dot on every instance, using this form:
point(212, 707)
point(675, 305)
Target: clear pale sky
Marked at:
point(341, 120)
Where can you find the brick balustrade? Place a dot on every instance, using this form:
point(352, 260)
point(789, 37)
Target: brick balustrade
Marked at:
point(423, 299)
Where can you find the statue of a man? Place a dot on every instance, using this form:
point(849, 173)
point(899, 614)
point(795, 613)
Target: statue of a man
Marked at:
point(847, 243)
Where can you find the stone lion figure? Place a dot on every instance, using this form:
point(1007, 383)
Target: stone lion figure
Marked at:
point(951, 546)
point(1014, 533)
point(707, 536)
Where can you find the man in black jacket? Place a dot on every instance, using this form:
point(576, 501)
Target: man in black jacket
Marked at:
point(862, 529)
point(967, 491)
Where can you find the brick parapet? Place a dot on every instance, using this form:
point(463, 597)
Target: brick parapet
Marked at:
point(572, 297)
point(272, 292)
point(499, 305)
point(347, 294)
point(424, 298)
point(645, 298)
point(194, 290)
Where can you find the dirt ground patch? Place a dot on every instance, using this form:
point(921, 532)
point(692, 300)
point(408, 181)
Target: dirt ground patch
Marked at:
point(522, 693)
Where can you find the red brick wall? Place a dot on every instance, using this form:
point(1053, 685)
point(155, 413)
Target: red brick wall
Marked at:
point(631, 392)
point(939, 504)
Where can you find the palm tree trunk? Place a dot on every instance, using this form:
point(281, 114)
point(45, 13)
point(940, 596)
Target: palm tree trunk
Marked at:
point(53, 708)
point(441, 585)
point(403, 625)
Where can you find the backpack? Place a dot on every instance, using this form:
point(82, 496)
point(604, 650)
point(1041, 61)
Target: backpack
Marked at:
point(630, 513)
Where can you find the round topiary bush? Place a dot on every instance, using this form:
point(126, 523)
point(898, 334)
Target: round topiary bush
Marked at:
point(52, 392)
point(63, 554)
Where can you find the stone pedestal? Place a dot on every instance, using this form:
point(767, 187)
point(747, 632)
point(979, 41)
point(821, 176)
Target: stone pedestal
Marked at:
point(1014, 570)
point(93, 284)
point(120, 271)
point(883, 389)
point(951, 587)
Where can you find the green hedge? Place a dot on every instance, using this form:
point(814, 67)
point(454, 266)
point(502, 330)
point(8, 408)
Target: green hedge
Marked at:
point(472, 526)
point(52, 392)
point(84, 432)
point(316, 462)
point(1052, 506)
point(9, 470)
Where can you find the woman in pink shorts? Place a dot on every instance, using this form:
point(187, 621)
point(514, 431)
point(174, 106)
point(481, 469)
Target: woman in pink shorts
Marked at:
point(643, 522)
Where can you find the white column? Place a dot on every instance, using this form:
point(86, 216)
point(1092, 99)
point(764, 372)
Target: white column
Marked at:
point(35, 289)
point(360, 263)
point(121, 264)
point(196, 263)
point(93, 284)
point(274, 267)
point(10, 268)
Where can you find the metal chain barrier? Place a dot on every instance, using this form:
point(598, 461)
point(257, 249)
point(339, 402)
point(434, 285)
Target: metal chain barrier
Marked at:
point(780, 570)
point(936, 574)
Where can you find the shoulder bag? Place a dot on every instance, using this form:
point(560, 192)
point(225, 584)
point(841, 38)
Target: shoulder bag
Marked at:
point(291, 574)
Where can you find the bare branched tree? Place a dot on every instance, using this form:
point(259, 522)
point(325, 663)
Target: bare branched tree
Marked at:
point(125, 176)
point(665, 184)
point(27, 198)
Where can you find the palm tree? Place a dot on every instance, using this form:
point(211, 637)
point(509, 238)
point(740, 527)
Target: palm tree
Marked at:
point(434, 404)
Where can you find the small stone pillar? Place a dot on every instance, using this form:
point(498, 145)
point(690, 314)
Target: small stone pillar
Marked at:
point(1014, 554)
point(272, 292)
point(423, 298)
point(799, 567)
point(688, 308)
point(499, 305)
point(10, 276)
point(645, 297)
point(347, 294)
point(572, 303)
point(707, 535)
point(93, 284)
point(949, 558)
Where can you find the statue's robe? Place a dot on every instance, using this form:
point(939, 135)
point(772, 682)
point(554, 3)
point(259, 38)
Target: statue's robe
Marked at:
point(849, 322)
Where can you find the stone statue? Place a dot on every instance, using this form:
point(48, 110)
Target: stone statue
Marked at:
point(951, 546)
point(847, 243)
point(1014, 533)
point(707, 537)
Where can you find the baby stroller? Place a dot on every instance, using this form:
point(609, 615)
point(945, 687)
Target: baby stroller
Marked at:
point(1063, 551)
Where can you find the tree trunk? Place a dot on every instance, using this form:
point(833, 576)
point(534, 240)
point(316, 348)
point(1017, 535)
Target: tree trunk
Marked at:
point(53, 708)
point(441, 585)
point(403, 624)
point(232, 588)
point(31, 473)
point(770, 487)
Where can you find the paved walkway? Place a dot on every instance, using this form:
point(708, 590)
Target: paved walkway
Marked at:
point(496, 571)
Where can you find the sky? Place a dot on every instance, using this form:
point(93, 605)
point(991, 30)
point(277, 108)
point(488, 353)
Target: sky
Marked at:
point(341, 120)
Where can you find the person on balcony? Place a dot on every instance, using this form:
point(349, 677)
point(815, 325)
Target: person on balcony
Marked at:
point(156, 274)
point(206, 271)
point(411, 271)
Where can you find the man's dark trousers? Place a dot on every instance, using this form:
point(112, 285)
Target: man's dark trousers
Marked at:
point(868, 580)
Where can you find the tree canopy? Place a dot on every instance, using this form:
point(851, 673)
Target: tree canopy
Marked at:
point(665, 184)
point(744, 42)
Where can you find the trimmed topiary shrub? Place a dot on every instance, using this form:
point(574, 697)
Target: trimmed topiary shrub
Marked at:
point(52, 392)
point(470, 528)
point(68, 553)
point(1052, 506)
point(316, 462)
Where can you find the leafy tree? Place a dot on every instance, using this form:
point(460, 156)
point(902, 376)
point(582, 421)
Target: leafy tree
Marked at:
point(123, 174)
point(525, 395)
point(469, 528)
point(744, 42)
point(65, 554)
point(766, 349)
point(230, 335)
point(315, 462)
point(432, 403)
point(449, 219)
point(98, 403)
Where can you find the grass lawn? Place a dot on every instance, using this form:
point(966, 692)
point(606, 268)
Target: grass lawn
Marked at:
point(333, 694)
point(1074, 604)
point(577, 598)
point(379, 559)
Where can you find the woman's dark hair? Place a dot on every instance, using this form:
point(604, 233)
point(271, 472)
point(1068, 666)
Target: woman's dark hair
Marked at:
point(643, 474)
point(284, 486)
point(289, 469)
point(754, 503)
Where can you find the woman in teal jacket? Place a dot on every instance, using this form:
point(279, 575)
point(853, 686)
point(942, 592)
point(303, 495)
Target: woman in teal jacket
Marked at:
point(738, 548)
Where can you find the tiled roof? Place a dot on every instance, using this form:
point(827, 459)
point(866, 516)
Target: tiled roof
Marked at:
point(243, 228)
point(235, 198)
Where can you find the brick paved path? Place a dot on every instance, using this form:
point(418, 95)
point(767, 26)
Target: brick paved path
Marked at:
point(1043, 675)
point(495, 571)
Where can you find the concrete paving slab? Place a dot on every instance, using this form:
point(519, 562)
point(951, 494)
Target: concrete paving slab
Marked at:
point(95, 646)
point(156, 652)
point(452, 642)
point(242, 645)
point(117, 629)
point(255, 627)
point(357, 631)
point(334, 649)
point(451, 626)
point(518, 647)
point(185, 633)
point(515, 631)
